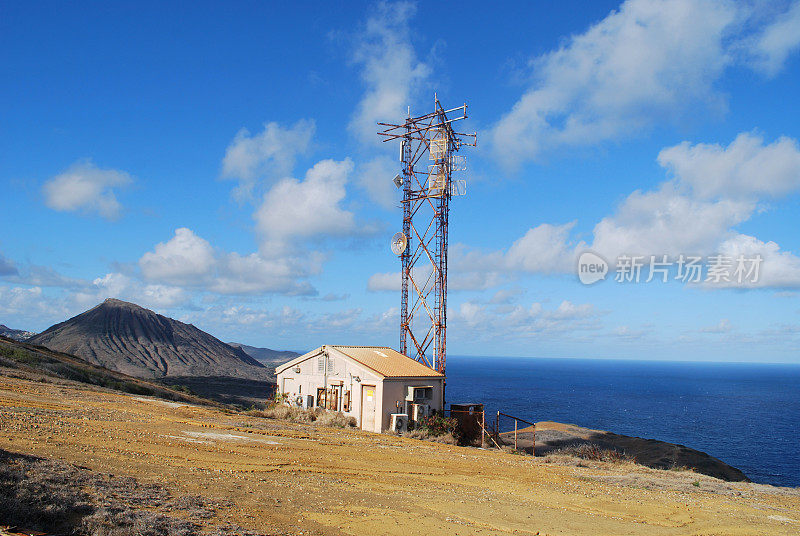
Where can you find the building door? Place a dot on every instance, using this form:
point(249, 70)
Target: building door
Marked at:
point(368, 397)
point(288, 386)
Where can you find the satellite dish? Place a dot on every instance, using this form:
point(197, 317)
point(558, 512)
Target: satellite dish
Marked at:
point(398, 181)
point(399, 243)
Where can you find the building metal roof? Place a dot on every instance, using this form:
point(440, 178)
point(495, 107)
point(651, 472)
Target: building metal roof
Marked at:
point(387, 362)
point(384, 361)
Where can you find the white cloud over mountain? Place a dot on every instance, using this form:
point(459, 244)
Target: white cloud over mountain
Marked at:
point(189, 261)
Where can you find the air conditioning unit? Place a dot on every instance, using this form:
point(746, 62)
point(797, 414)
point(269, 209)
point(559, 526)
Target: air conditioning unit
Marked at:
point(420, 411)
point(399, 422)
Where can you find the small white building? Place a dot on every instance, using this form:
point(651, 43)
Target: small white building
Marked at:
point(370, 383)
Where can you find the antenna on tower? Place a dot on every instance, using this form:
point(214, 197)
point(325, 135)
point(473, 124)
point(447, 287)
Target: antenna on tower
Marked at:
point(429, 180)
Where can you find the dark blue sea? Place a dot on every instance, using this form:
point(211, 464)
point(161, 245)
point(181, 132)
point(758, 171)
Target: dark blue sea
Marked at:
point(747, 415)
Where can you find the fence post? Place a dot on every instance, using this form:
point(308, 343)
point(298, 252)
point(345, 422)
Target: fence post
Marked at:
point(497, 426)
point(515, 434)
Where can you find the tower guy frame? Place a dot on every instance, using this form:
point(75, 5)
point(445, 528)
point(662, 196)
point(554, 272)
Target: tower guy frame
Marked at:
point(429, 147)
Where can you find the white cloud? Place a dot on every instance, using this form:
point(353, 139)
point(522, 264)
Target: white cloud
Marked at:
point(85, 187)
point(506, 296)
point(121, 286)
point(376, 178)
point(712, 190)
point(16, 300)
point(543, 249)
point(646, 62)
point(778, 269)
point(286, 321)
point(269, 154)
point(187, 260)
point(500, 322)
point(746, 168)
point(772, 46)
point(667, 222)
point(389, 68)
point(385, 282)
point(184, 259)
point(295, 209)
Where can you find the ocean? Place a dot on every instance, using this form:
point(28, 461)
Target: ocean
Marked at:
point(747, 415)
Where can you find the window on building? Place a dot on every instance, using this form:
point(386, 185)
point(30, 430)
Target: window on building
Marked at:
point(332, 371)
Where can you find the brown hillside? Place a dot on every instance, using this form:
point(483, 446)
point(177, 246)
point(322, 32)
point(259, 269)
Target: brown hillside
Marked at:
point(128, 338)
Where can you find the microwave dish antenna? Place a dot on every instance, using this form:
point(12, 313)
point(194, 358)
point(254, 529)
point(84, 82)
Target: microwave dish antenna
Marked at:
point(399, 243)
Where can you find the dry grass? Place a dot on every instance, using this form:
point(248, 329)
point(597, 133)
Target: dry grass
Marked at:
point(317, 416)
point(425, 435)
point(58, 498)
point(589, 451)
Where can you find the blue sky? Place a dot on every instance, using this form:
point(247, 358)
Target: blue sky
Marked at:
point(219, 164)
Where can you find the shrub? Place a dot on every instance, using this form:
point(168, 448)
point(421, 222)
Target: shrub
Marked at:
point(439, 425)
point(591, 451)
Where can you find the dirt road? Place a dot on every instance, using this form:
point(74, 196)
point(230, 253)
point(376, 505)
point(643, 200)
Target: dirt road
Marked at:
point(290, 479)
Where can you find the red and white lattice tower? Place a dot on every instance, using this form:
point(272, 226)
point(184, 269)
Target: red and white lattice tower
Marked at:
point(429, 179)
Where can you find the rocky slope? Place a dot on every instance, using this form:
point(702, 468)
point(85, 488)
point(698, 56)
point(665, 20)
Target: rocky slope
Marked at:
point(21, 359)
point(128, 338)
point(16, 334)
point(553, 437)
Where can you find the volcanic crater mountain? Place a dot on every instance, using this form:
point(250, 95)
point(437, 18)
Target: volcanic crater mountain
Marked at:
point(128, 338)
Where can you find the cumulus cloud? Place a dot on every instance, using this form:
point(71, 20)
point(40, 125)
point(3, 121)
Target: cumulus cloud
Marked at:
point(390, 281)
point(300, 209)
point(543, 249)
point(85, 187)
point(777, 269)
point(184, 259)
point(389, 68)
point(373, 328)
point(647, 63)
point(772, 46)
point(16, 300)
point(188, 260)
point(498, 322)
point(665, 221)
point(744, 169)
point(269, 154)
point(375, 178)
point(711, 190)
point(124, 287)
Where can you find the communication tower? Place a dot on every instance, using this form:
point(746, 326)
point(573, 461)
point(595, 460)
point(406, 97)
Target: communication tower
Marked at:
point(430, 178)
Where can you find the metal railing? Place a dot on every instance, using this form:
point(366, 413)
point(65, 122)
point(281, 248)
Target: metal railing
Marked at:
point(517, 420)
